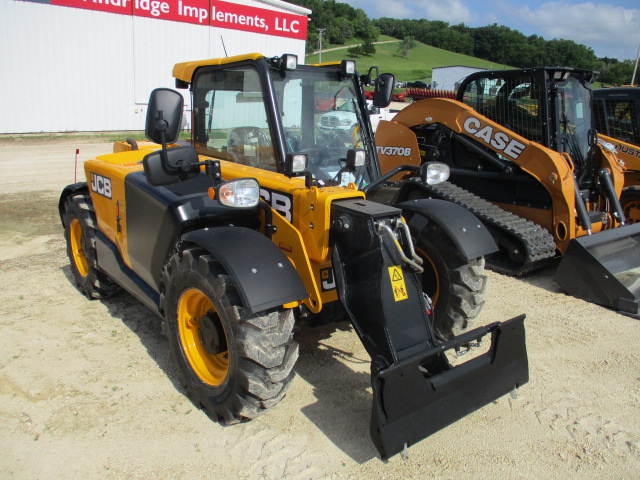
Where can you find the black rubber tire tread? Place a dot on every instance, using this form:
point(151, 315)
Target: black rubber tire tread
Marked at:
point(96, 284)
point(262, 350)
point(538, 243)
point(462, 284)
point(630, 195)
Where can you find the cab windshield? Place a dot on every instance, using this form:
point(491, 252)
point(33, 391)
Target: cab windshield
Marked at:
point(575, 118)
point(321, 117)
point(318, 110)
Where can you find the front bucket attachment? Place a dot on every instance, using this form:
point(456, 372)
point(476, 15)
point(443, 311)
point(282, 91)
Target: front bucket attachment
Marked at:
point(410, 403)
point(604, 268)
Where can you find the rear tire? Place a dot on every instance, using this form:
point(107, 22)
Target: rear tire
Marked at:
point(80, 233)
point(630, 201)
point(232, 364)
point(456, 287)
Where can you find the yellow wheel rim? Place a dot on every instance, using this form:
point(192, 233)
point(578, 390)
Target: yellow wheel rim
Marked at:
point(76, 237)
point(211, 367)
point(434, 277)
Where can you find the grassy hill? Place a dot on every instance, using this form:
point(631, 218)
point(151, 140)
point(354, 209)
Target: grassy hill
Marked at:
point(416, 66)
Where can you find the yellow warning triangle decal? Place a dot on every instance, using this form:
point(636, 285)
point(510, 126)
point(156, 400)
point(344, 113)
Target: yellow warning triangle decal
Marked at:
point(397, 275)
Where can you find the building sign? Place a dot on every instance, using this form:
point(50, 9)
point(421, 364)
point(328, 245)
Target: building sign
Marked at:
point(202, 12)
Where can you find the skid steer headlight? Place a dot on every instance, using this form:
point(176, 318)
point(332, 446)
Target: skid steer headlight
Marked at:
point(434, 172)
point(242, 192)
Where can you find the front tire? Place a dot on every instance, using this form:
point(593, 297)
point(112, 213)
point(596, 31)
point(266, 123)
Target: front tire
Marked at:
point(232, 364)
point(456, 287)
point(80, 233)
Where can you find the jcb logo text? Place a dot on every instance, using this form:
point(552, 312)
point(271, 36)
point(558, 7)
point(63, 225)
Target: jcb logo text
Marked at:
point(101, 185)
point(280, 202)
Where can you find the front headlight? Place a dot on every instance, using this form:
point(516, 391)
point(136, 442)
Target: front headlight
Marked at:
point(434, 172)
point(242, 192)
point(345, 122)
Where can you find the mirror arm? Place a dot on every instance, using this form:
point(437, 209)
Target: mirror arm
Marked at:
point(161, 124)
point(389, 174)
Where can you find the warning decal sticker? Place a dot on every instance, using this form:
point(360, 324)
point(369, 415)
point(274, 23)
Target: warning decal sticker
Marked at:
point(397, 284)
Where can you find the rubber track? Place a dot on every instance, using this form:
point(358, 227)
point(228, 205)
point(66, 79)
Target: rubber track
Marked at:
point(539, 243)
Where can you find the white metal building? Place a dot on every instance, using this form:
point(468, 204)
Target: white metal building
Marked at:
point(89, 65)
point(448, 78)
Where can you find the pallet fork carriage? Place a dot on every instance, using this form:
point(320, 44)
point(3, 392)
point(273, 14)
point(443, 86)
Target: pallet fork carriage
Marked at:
point(262, 223)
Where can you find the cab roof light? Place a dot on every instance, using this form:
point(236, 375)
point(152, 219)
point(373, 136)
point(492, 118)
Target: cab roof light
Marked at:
point(347, 68)
point(287, 61)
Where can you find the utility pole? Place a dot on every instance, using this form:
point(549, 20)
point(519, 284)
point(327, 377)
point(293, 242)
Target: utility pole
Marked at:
point(635, 69)
point(320, 32)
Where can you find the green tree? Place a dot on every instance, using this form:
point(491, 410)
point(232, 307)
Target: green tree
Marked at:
point(571, 54)
point(356, 51)
point(619, 73)
point(368, 48)
point(340, 20)
point(407, 44)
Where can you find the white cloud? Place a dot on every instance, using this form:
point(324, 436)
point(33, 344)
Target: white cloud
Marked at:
point(451, 11)
point(609, 30)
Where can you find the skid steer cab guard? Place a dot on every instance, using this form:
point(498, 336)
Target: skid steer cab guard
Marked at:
point(230, 276)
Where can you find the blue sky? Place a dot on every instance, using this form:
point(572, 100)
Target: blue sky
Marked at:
point(610, 28)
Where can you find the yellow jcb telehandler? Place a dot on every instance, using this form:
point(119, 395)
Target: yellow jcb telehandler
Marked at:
point(263, 223)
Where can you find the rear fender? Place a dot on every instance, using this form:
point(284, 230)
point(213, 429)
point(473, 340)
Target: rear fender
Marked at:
point(466, 231)
point(262, 273)
point(67, 192)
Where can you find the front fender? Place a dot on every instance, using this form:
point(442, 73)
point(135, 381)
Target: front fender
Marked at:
point(467, 232)
point(66, 193)
point(261, 272)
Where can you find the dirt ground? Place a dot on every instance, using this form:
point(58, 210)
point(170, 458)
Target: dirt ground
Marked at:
point(87, 388)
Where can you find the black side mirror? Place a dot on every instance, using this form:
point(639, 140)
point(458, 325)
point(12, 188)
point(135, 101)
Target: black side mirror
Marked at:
point(168, 165)
point(383, 90)
point(164, 116)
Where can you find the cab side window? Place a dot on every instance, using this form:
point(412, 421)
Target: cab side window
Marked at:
point(231, 118)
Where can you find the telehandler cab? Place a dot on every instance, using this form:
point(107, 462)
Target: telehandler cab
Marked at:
point(260, 226)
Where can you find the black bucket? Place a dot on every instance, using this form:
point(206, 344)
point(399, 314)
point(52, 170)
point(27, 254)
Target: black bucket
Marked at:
point(604, 268)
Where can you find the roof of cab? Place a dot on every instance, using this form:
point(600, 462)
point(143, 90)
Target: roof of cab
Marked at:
point(184, 71)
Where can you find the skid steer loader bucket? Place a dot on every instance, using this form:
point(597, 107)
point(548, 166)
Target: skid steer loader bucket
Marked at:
point(604, 268)
point(416, 391)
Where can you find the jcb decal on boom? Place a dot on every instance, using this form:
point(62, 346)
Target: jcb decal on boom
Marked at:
point(101, 185)
point(498, 140)
point(280, 202)
point(328, 279)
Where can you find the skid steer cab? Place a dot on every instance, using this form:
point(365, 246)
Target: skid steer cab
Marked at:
point(261, 225)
